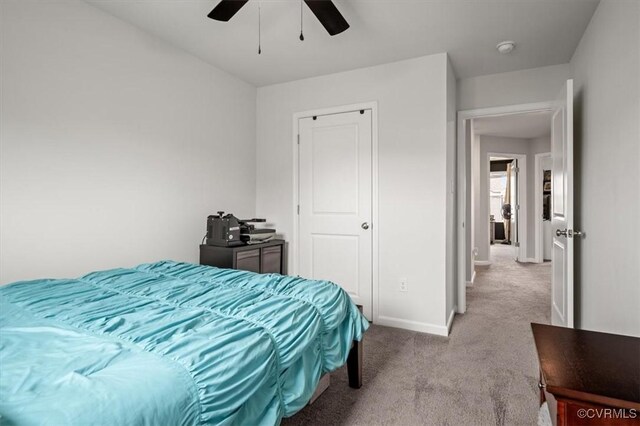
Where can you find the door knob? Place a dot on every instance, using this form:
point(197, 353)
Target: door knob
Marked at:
point(364, 225)
point(571, 233)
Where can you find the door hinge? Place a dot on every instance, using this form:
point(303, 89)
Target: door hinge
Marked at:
point(298, 139)
point(516, 170)
point(298, 208)
point(517, 244)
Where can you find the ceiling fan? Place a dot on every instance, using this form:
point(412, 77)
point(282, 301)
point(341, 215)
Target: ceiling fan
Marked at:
point(326, 12)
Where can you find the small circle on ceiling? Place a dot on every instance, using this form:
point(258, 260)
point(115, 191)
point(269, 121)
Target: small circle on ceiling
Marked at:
point(506, 46)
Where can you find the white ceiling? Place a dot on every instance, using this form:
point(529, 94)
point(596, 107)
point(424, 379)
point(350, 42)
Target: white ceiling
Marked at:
point(546, 32)
point(528, 126)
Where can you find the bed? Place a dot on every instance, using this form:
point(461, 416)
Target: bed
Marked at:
point(171, 343)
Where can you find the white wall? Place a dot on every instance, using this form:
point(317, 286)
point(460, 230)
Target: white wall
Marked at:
point(475, 196)
point(114, 146)
point(412, 99)
point(452, 209)
point(606, 69)
point(469, 155)
point(536, 146)
point(541, 144)
point(493, 144)
point(512, 88)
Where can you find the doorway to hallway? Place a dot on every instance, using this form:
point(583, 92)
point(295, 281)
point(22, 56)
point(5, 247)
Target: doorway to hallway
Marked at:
point(557, 119)
point(506, 199)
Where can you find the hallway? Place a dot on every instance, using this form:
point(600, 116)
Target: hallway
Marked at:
point(484, 373)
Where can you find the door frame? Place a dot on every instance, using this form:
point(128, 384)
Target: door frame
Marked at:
point(538, 190)
point(464, 117)
point(294, 243)
point(522, 198)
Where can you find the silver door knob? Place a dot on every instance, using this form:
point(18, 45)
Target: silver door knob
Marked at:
point(561, 233)
point(364, 225)
point(571, 233)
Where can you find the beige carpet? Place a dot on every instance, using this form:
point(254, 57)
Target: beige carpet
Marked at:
point(484, 373)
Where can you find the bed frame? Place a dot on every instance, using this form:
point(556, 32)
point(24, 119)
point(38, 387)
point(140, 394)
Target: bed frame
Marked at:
point(354, 370)
point(354, 362)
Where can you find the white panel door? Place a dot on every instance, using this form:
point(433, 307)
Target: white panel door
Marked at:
point(562, 208)
point(335, 196)
point(515, 209)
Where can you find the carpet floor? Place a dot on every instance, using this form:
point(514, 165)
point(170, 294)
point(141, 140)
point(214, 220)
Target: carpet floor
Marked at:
point(484, 373)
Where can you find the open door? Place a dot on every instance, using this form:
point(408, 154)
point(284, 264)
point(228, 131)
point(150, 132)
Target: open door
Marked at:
point(562, 208)
point(515, 208)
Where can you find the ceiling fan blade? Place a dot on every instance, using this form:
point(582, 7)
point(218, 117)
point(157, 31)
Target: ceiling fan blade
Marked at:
point(328, 15)
point(226, 9)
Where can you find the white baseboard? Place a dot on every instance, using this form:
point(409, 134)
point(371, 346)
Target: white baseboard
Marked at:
point(423, 327)
point(450, 320)
point(473, 278)
point(482, 263)
point(529, 260)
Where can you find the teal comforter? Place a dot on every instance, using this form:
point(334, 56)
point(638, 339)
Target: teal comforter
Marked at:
point(169, 344)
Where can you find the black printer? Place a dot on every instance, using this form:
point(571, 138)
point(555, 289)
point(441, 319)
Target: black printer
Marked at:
point(229, 231)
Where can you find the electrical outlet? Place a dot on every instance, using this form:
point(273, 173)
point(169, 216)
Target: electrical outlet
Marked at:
point(403, 285)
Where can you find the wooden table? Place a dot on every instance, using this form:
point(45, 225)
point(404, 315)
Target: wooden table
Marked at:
point(588, 378)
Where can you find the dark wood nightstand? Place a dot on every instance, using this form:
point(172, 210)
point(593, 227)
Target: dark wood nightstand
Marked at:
point(588, 378)
point(262, 258)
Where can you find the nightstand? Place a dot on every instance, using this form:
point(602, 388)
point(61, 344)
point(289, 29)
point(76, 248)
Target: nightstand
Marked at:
point(262, 258)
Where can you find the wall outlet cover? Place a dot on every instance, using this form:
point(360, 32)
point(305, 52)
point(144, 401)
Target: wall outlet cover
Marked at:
point(403, 285)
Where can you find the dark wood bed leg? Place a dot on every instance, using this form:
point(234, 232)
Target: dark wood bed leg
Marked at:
point(354, 363)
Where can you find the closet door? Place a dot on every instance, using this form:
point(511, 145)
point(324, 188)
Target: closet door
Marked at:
point(513, 173)
point(335, 193)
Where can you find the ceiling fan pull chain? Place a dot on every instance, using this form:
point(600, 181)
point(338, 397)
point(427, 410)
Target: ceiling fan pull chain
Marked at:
point(259, 28)
point(301, 27)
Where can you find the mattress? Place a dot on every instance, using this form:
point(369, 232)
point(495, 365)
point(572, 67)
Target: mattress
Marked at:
point(169, 343)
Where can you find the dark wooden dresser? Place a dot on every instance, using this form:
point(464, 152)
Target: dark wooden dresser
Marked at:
point(263, 258)
point(588, 378)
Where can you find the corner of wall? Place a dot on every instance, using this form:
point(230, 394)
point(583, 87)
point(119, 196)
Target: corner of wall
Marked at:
point(451, 189)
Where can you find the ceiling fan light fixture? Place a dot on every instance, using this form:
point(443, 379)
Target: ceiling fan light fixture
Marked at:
point(506, 47)
point(326, 12)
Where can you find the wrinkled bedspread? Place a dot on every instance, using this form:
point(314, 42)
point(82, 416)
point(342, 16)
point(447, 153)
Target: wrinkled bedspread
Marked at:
point(169, 343)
